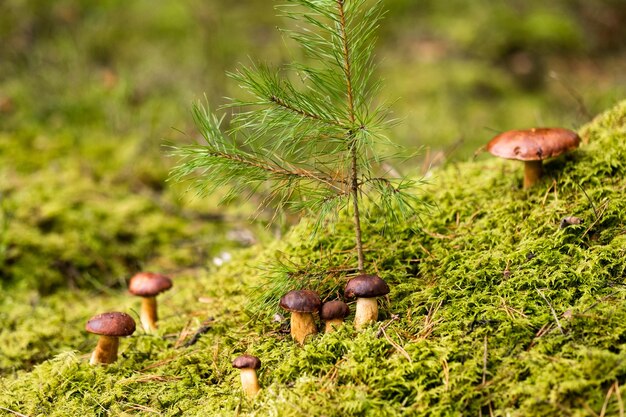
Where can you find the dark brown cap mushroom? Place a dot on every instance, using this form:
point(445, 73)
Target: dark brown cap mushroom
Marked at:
point(302, 304)
point(247, 362)
point(334, 310)
point(109, 326)
point(248, 365)
point(532, 146)
point(366, 288)
point(301, 301)
point(148, 285)
point(333, 313)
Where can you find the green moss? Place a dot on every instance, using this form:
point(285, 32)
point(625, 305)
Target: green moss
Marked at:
point(476, 287)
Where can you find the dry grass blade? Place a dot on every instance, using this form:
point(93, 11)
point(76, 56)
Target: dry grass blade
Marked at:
point(606, 400)
point(149, 378)
point(15, 413)
point(397, 346)
point(618, 395)
point(599, 215)
point(485, 356)
point(430, 322)
point(143, 408)
point(511, 311)
point(446, 373)
point(556, 318)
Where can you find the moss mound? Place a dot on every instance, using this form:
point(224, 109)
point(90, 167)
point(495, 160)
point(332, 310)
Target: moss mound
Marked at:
point(494, 310)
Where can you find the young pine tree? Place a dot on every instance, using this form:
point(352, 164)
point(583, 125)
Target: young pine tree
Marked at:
point(308, 136)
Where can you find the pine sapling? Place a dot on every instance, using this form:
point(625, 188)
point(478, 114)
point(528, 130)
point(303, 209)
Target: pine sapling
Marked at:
point(308, 136)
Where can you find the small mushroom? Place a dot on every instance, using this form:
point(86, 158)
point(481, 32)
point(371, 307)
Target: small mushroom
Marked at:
point(110, 327)
point(333, 313)
point(366, 288)
point(248, 365)
point(148, 285)
point(533, 146)
point(302, 304)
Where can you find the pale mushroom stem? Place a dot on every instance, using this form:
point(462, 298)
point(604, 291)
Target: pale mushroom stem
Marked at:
point(302, 325)
point(332, 325)
point(250, 382)
point(366, 312)
point(532, 173)
point(148, 314)
point(106, 350)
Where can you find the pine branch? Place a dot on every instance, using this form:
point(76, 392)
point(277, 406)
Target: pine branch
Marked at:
point(307, 137)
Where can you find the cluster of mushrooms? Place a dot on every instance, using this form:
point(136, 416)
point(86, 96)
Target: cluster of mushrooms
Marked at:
point(113, 325)
point(531, 146)
point(304, 305)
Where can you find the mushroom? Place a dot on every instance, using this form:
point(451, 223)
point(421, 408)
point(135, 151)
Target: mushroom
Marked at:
point(333, 313)
point(532, 146)
point(148, 285)
point(302, 304)
point(248, 365)
point(110, 327)
point(366, 288)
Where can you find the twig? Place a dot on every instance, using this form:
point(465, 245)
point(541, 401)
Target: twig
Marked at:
point(556, 318)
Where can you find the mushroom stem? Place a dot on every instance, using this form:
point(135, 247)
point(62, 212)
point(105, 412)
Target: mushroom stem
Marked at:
point(105, 351)
point(302, 325)
point(532, 173)
point(366, 312)
point(332, 325)
point(148, 314)
point(250, 382)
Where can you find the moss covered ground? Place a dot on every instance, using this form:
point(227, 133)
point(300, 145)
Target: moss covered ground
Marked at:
point(494, 310)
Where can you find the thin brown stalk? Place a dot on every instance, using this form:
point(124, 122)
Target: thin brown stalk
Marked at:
point(354, 180)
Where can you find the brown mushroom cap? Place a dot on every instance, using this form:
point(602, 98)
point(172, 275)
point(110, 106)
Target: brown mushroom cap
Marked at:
point(111, 324)
point(366, 286)
point(148, 284)
point(247, 362)
point(334, 310)
point(301, 301)
point(533, 144)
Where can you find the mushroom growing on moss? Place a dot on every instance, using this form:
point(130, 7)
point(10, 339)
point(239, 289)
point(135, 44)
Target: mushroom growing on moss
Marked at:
point(366, 288)
point(110, 327)
point(333, 313)
point(302, 304)
point(533, 146)
point(248, 365)
point(148, 285)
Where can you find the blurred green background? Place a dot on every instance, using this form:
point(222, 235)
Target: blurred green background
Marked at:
point(90, 92)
